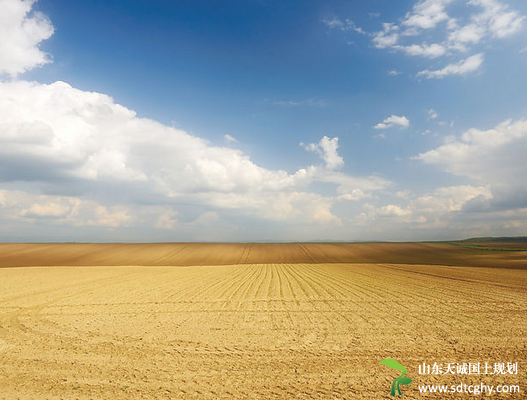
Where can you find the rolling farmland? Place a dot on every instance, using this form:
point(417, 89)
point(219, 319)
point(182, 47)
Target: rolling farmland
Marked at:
point(253, 320)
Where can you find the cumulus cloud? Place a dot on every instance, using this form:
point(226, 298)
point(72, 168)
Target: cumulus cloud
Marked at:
point(431, 51)
point(120, 166)
point(391, 210)
point(24, 206)
point(499, 19)
point(463, 67)
point(393, 121)
point(476, 148)
point(448, 199)
point(440, 210)
point(388, 37)
point(21, 32)
point(51, 208)
point(59, 132)
point(68, 140)
point(427, 14)
point(327, 149)
point(494, 157)
point(495, 20)
point(110, 217)
point(469, 34)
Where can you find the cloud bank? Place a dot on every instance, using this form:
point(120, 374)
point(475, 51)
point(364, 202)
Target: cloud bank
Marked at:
point(74, 161)
point(73, 157)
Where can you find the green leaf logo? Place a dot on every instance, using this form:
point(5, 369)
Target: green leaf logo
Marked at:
point(392, 363)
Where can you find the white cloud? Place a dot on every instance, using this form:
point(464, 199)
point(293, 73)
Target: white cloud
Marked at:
point(333, 22)
point(392, 210)
point(109, 169)
point(292, 206)
point(354, 188)
point(431, 51)
point(494, 157)
point(167, 220)
point(60, 132)
point(46, 206)
point(500, 20)
point(110, 217)
point(448, 199)
point(427, 14)
point(346, 25)
point(327, 149)
point(69, 140)
point(495, 20)
point(393, 121)
point(437, 210)
point(468, 34)
point(388, 37)
point(23, 206)
point(393, 73)
point(432, 114)
point(485, 19)
point(230, 138)
point(21, 31)
point(354, 195)
point(463, 67)
point(476, 148)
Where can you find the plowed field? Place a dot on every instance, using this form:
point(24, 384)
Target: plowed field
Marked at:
point(286, 329)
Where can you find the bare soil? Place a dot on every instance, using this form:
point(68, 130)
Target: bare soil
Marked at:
point(207, 254)
point(263, 321)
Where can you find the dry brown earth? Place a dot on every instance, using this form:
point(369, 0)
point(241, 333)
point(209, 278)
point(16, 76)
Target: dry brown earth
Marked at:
point(261, 321)
point(206, 254)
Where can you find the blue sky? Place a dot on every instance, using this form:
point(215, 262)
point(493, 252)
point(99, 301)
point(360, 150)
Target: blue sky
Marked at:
point(262, 120)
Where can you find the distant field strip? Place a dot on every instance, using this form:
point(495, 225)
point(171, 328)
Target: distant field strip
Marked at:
point(247, 330)
point(212, 254)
